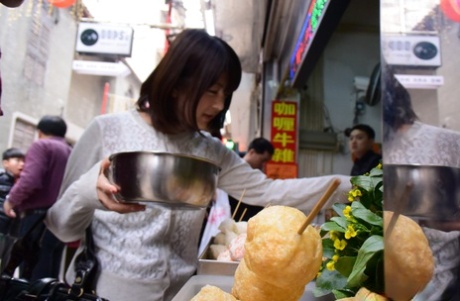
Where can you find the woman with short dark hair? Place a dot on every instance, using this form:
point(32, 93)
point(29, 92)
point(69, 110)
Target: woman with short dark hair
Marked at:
point(149, 253)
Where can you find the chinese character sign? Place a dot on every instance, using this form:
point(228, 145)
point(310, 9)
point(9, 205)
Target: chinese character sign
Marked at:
point(284, 139)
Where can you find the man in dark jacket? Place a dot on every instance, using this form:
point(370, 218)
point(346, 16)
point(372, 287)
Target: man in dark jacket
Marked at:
point(361, 142)
point(37, 189)
point(13, 162)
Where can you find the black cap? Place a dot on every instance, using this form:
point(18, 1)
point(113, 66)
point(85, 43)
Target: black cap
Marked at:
point(12, 153)
point(362, 127)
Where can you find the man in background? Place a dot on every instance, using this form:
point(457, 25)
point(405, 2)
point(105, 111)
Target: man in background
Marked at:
point(37, 189)
point(7, 3)
point(13, 162)
point(260, 151)
point(361, 144)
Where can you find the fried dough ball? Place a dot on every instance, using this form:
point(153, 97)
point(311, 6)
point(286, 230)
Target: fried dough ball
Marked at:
point(408, 260)
point(212, 293)
point(277, 253)
point(249, 287)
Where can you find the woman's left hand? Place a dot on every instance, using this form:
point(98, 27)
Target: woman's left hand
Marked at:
point(106, 193)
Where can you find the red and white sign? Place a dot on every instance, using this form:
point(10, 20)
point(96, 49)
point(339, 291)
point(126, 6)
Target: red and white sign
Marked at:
point(284, 137)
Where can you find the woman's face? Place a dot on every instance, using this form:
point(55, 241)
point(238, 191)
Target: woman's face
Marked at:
point(211, 104)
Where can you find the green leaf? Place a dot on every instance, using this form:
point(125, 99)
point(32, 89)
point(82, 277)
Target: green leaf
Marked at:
point(343, 293)
point(345, 265)
point(370, 247)
point(341, 221)
point(327, 281)
point(338, 208)
point(328, 248)
point(376, 172)
point(332, 226)
point(361, 212)
point(364, 182)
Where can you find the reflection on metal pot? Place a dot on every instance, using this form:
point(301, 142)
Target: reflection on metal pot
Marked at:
point(165, 178)
point(434, 192)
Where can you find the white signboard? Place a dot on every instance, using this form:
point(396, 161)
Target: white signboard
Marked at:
point(111, 39)
point(100, 68)
point(412, 50)
point(420, 81)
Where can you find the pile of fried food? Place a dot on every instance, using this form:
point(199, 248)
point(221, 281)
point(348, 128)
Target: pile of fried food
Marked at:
point(277, 263)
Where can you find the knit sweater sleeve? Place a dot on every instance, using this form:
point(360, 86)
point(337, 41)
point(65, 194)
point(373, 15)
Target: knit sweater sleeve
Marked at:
point(73, 212)
point(301, 193)
point(86, 152)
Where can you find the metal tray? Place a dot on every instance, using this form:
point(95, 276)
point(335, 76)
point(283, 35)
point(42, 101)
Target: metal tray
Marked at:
point(208, 266)
point(195, 283)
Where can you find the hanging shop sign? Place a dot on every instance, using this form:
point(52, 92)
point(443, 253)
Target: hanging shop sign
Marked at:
point(62, 3)
point(100, 68)
point(412, 50)
point(420, 81)
point(322, 18)
point(108, 39)
point(284, 137)
point(309, 27)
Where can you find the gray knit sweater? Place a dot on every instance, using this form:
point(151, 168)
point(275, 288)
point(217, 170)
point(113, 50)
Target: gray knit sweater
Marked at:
point(149, 255)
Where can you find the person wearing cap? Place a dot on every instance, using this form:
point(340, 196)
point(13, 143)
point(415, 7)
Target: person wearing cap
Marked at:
point(13, 162)
point(361, 143)
point(38, 188)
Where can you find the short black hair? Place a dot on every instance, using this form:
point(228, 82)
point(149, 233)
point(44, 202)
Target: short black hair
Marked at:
point(13, 153)
point(52, 125)
point(193, 63)
point(261, 145)
point(362, 127)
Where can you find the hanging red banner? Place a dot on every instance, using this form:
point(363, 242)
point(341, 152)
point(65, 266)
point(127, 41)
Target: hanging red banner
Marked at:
point(284, 137)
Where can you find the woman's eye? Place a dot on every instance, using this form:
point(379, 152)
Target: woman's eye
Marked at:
point(213, 91)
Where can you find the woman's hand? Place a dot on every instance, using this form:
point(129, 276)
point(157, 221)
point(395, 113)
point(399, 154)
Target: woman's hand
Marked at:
point(106, 193)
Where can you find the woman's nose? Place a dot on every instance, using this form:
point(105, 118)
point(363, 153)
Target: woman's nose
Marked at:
point(219, 103)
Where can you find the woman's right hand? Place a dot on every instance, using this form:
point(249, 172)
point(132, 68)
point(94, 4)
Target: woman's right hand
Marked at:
point(106, 193)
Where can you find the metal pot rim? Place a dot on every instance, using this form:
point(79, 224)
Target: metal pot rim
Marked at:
point(419, 165)
point(163, 153)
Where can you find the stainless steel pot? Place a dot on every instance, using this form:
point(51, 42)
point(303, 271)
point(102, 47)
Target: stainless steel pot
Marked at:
point(433, 193)
point(169, 179)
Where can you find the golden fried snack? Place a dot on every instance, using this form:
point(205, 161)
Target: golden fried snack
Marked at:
point(277, 253)
point(408, 261)
point(212, 293)
point(249, 287)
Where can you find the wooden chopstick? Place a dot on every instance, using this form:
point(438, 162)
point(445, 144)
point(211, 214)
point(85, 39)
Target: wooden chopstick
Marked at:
point(327, 194)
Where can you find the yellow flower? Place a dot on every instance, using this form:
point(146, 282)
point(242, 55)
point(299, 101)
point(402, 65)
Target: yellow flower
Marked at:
point(353, 194)
point(351, 232)
point(333, 235)
point(335, 258)
point(330, 265)
point(319, 274)
point(379, 166)
point(340, 244)
point(356, 192)
point(347, 211)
